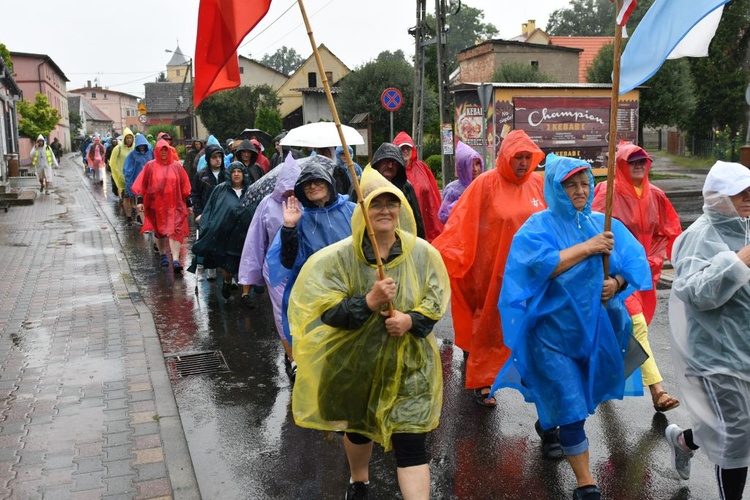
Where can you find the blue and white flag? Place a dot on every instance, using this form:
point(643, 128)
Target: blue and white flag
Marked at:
point(670, 29)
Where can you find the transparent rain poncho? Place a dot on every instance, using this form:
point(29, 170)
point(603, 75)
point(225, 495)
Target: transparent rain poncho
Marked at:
point(709, 314)
point(364, 380)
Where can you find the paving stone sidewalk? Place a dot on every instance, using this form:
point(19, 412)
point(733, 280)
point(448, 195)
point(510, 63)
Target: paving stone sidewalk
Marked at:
point(86, 406)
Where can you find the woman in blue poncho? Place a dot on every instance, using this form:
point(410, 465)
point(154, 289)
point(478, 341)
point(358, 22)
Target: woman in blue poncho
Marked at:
point(134, 163)
point(315, 217)
point(566, 323)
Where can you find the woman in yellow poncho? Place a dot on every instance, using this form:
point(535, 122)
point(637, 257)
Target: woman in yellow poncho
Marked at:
point(375, 377)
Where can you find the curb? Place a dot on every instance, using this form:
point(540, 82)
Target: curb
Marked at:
point(176, 453)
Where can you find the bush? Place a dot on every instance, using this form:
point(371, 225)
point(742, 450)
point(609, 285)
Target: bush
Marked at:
point(180, 150)
point(435, 164)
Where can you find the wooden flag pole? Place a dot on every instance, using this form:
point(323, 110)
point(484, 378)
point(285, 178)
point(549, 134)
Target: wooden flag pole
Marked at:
point(612, 131)
point(347, 156)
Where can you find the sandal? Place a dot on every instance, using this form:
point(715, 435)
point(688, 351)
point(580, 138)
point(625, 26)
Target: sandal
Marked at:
point(551, 446)
point(484, 398)
point(669, 403)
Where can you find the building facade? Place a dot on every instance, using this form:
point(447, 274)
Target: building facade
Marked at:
point(122, 108)
point(38, 73)
point(10, 94)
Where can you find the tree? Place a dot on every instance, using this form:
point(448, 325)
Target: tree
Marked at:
point(720, 79)
point(227, 112)
point(669, 98)
point(270, 121)
point(75, 123)
point(5, 54)
point(38, 118)
point(161, 78)
point(465, 28)
point(285, 60)
point(591, 18)
point(521, 73)
point(362, 88)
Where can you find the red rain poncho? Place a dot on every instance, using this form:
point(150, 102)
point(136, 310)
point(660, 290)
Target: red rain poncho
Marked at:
point(475, 245)
point(428, 193)
point(651, 218)
point(164, 187)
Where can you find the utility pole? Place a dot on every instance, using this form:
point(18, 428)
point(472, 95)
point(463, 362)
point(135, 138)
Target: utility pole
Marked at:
point(443, 91)
point(419, 33)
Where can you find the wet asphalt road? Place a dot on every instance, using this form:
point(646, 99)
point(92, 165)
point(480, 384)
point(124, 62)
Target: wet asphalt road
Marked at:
point(244, 443)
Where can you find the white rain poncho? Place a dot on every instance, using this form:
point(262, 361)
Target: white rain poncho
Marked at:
point(364, 380)
point(709, 314)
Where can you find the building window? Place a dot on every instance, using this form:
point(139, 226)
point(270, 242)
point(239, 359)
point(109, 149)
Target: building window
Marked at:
point(535, 64)
point(93, 95)
point(242, 70)
point(178, 72)
point(312, 79)
point(105, 96)
point(329, 76)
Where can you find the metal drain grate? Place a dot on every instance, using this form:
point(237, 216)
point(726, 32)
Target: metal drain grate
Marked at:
point(196, 363)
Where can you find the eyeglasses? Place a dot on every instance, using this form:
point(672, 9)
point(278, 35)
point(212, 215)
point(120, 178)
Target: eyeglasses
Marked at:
point(392, 205)
point(316, 182)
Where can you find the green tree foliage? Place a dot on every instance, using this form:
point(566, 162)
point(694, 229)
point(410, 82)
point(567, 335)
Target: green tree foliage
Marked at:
point(37, 118)
point(669, 98)
point(284, 60)
point(362, 88)
point(720, 79)
point(521, 73)
point(591, 18)
point(5, 54)
point(161, 78)
point(75, 123)
point(465, 28)
point(227, 112)
point(269, 120)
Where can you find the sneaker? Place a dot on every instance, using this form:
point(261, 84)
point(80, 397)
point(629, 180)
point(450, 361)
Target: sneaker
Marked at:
point(177, 267)
point(41, 188)
point(235, 285)
point(680, 457)
point(356, 491)
point(590, 492)
point(226, 290)
point(164, 261)
point(550, 441)
point(210, 274)
point(155, 247)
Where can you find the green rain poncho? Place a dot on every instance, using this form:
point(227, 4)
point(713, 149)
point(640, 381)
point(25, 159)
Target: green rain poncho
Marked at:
point(364, 380)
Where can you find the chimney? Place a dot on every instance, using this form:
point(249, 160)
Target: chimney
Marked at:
point(524, 28)
point(531, 25)
point(88, 83)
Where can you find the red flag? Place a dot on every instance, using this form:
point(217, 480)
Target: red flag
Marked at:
point(628, 6)
point(222, 25)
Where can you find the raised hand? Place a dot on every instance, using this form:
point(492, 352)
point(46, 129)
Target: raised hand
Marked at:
point(292, 211)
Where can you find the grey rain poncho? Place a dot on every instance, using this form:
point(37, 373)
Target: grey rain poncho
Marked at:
point(709, 315)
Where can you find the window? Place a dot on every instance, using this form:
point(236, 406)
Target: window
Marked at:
point(329, 76)
point(105, 96)
point(242, 70)
point(312, 79)
point(535, 64)
point(178, 72)
point(93, 95)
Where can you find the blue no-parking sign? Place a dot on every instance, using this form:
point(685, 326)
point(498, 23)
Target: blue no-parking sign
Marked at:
point(391, 99)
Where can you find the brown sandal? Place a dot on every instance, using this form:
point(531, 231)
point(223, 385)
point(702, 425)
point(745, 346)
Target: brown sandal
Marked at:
point(668, 404)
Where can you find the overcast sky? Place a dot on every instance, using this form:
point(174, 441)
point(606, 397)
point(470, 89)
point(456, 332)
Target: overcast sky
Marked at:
point(122, 43)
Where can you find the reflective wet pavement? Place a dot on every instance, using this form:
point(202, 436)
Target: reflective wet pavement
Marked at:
point(244, 444)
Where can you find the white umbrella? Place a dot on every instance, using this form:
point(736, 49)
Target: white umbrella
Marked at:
point(321, 135)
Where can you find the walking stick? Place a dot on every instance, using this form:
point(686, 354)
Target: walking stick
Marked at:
point(612, 132)
point(347, 156)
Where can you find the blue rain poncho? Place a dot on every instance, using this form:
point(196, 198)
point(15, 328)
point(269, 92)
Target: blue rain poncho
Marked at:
point(709, 314)
point(135, 162)
point(363, 380)
point(566, 346)
point(318, 228)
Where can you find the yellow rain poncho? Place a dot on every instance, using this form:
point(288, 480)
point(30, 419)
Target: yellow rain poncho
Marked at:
point(365, 380)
